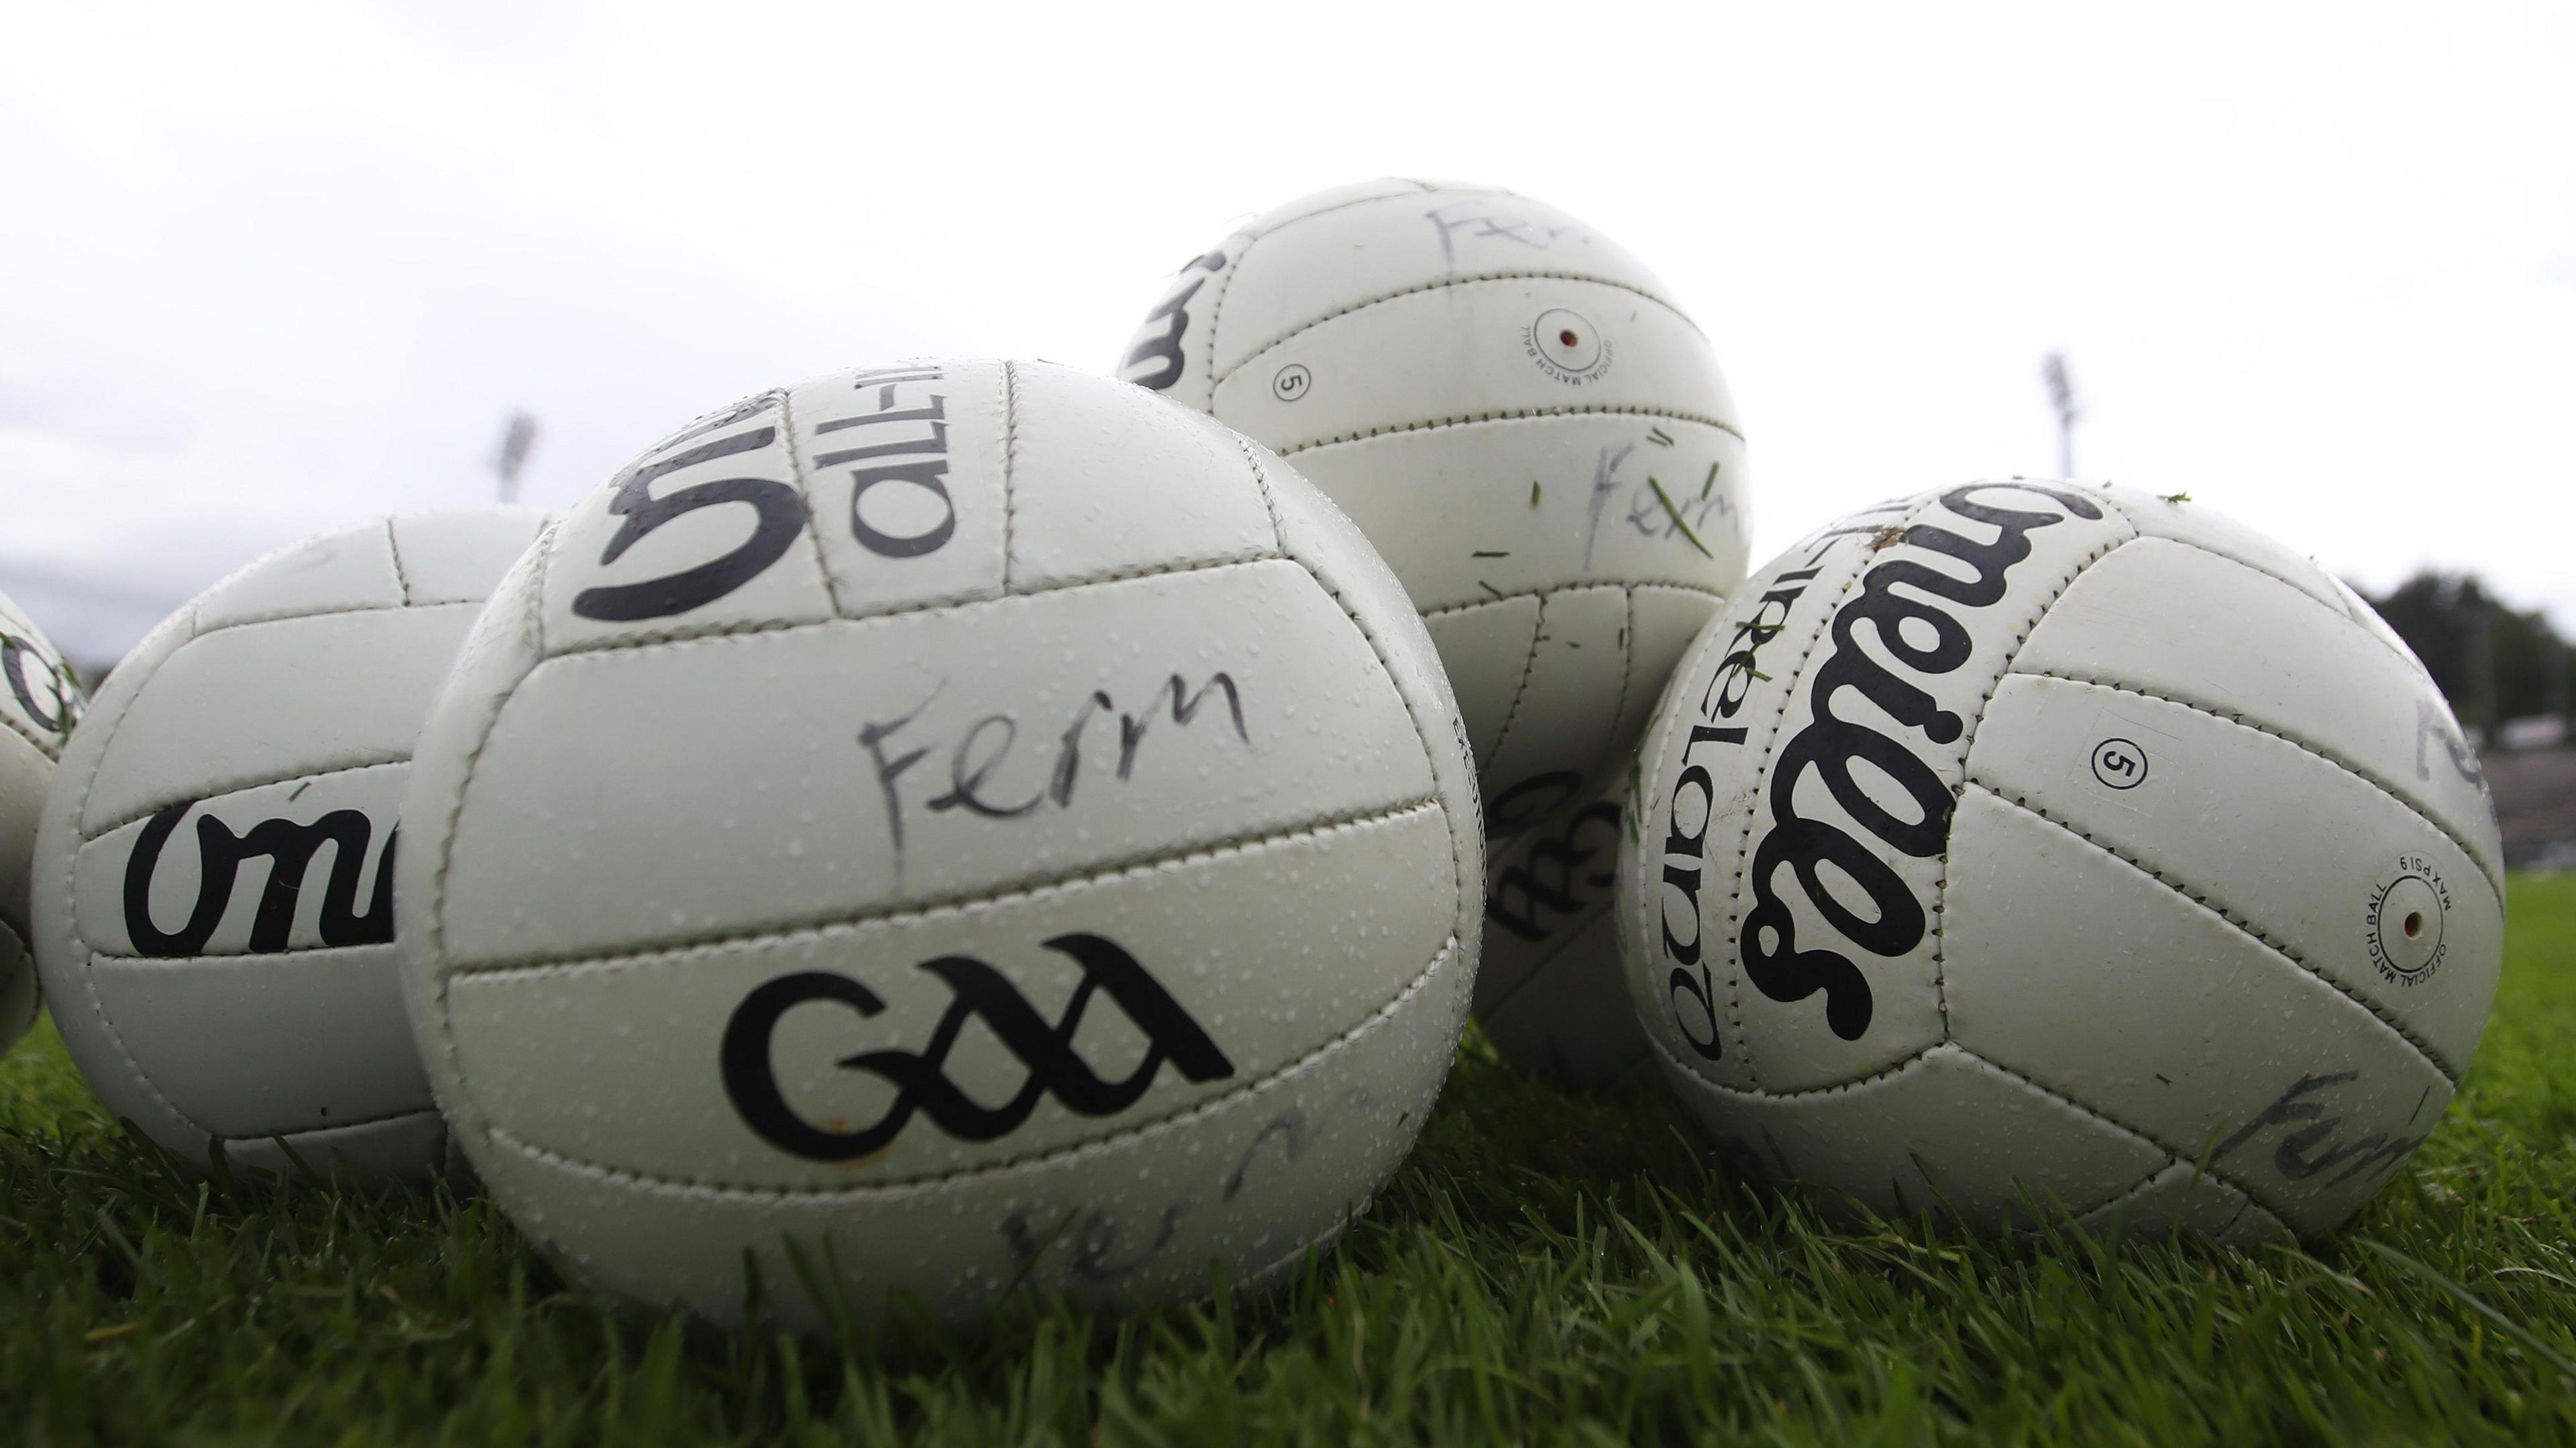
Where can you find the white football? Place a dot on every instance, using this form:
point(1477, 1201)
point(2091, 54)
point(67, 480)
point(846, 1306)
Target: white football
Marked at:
point(2027, 847)
point(213, 900)
point(1516, 413)
point(1550, 991)
point(39, 702)
point(935, 829)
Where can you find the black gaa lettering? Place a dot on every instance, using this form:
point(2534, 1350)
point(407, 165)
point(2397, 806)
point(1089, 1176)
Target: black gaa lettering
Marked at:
point(979, 993)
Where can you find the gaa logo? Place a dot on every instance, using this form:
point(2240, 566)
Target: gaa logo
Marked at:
point(978, 993)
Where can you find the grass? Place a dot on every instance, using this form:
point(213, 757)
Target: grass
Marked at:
point(1547, 1268)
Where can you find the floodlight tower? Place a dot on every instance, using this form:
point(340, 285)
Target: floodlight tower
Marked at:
point(2061, 400)
point(517, 437)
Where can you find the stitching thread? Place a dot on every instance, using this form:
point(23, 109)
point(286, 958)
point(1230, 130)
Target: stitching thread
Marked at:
point(1010, 456)
point(1475, 279)
point(1627, 658)
point(1458, 885)
point(71, 914)
point(221, 790)
point(334, 610)
point(594, 963)
point(1795, 673)
point(1539, 590)
point(811, 527)
point(51, 750)
point(1050, 1156)
point(1968, 733)
point(2243, 926)
point(1977, 1061)
point(393, 549)
point(465, 1112)
point(295, 1137)
point(1518, 414)
point(1261, 485)
point(1529, 666)
point(649, 639)
point(2303, 746)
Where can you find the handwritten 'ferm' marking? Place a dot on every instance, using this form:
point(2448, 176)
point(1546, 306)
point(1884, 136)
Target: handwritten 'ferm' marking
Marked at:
point(978, 993)
point(981, 751)
point(2316, 1146)
point(1830, 746)
point(1156, 360)
point(289, 848)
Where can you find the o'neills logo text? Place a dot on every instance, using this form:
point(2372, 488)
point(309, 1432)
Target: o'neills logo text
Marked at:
point(290, 849)
point(1830, 746)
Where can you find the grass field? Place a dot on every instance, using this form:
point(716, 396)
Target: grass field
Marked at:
point(1547, 1268)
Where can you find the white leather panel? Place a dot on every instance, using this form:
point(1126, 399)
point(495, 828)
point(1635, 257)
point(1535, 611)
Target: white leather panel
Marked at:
point(918, 757)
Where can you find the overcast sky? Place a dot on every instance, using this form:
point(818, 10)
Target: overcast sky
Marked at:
point(267, 269)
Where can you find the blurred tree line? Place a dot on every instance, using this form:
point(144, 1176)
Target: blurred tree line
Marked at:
point(2494, 662)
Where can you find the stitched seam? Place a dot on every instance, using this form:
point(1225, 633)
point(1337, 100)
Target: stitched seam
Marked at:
point(1969, 724)
point(231, 959)
point(2129, 510)
point(1458, 885)
point(1010, 456)
point(1974, 1059)
point(2242, 925)
point(2213, 1172)
point(1469, 419)
point(2268, 1215)
point(1476, 279)
point(2190, 1168)
point(71, 915)
point(393, 550)
point(1894, 1069)
point(669, 638)
point(291, 615)
point(588, 962)
point(925, 1185)
point(2341, 607)
point(2303, 746)
point(2130, 1193)
point(53, 752)
point(1261, 484)
point(1540, 590)
point(1529, 666)
point(1627, 656)
point(804, 486)
point(1418, 185)
point(1796, 673)
point(467, 1113)
point(1216, 303)
point(293, 1137)
point(238, 787)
